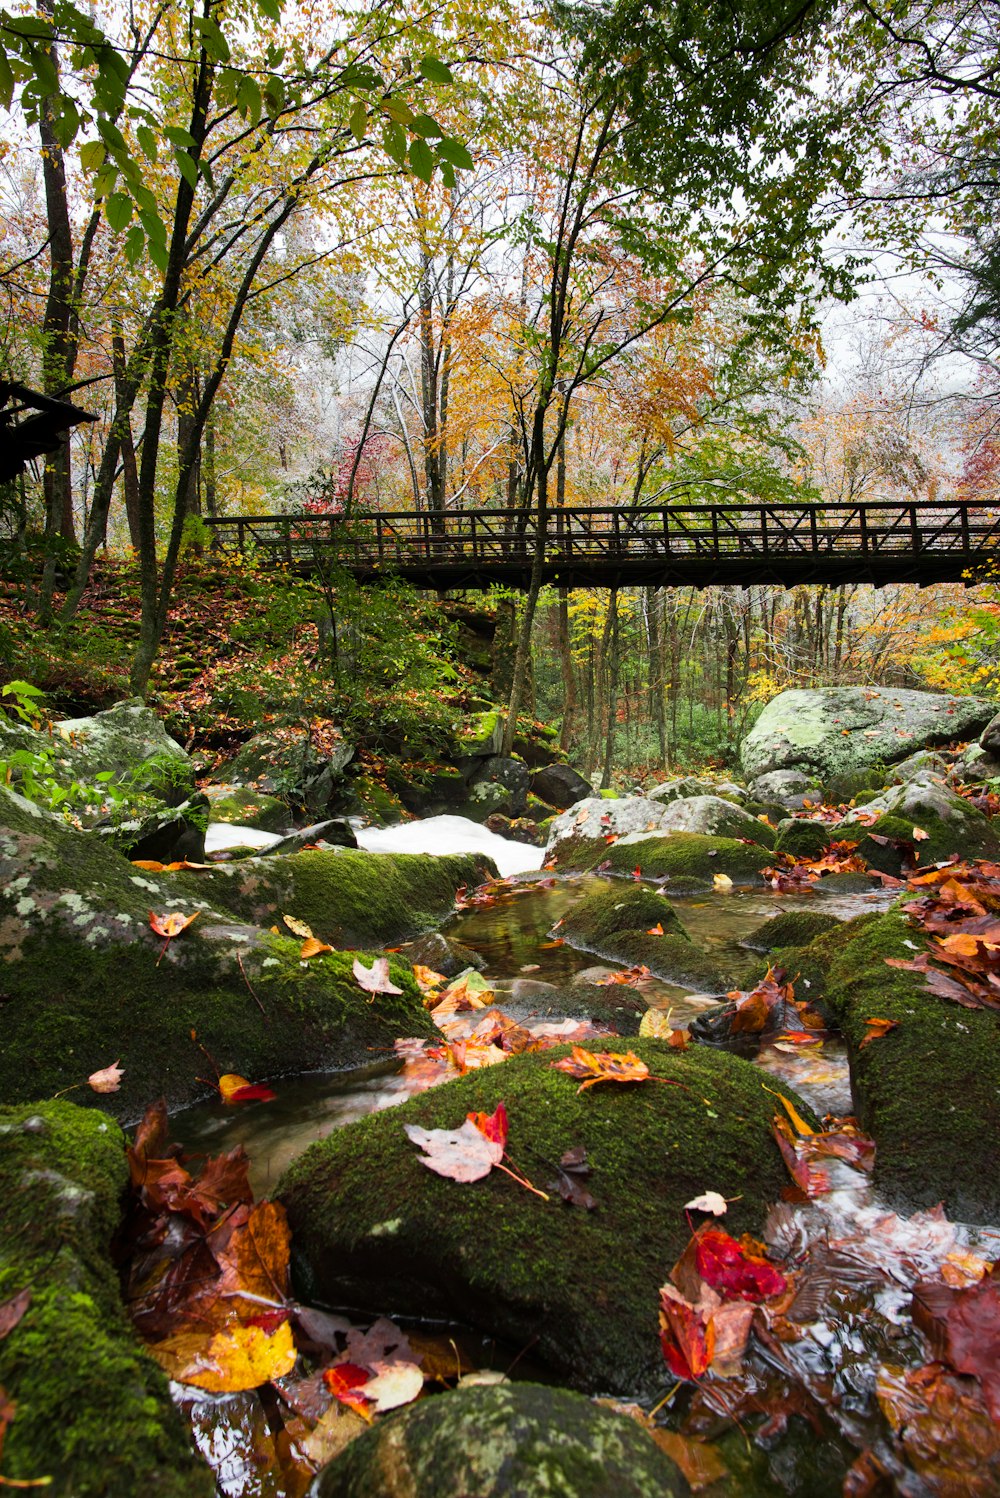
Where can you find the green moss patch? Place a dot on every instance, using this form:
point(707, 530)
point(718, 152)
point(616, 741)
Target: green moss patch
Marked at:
point(496, 1442)
point(804, 839)
point(929, 1091)
point(245, 808)
point(688, 860)
point(796, 928)
point(579, 1287)
point(84, 980)
point(93, 1412)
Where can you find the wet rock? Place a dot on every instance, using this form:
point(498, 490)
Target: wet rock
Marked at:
point(518, 829)
point(560, 786)
point(336, 831)
point(162, 834)
point(443, 955)
point(93, 1411)
point(796, 928)
point(85, 980)
point(499, 785)
point(240, 807)
point(618, 924)
point(505, 1441)
point(522, 1269)
point(825, 731)
point(929, 1091)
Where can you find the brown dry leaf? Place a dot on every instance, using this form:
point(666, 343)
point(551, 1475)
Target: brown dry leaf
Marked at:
point(12, 1310)
point(297, 927)
point(374, 979)
point(108, 1079)
point(700, 1463)
point(392, 1385)
point(171, 924)
point(313, 947)
point(332, 1434)
point(227, 1361)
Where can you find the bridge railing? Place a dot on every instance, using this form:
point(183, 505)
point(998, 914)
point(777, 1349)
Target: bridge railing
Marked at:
point(390, 541)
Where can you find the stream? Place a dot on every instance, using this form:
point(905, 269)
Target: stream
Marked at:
point(854, 1333)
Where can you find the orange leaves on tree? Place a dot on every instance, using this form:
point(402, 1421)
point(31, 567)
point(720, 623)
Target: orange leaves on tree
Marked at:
point(168, 926)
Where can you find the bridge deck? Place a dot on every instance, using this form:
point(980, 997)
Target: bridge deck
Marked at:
point(673, 546)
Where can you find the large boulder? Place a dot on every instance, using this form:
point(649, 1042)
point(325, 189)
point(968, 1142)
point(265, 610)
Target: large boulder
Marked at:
point(685, 862)
point(925, 813)
point(714, 816)
point(238, 806)
point(827, 730)
point(560, 785)
point(693, 785)
point(288, 762)
point(499, 785)
point(506, 1441)
point(580, 1287)
point(594, 820)
point(127, 743)
point(85, 980)
point(93, 1416)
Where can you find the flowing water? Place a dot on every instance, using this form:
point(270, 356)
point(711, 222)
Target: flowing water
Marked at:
point(852, 1328)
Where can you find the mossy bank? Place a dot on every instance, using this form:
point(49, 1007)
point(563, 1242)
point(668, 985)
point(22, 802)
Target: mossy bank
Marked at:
point(92, 1412)
point(579, 1288)
point(85, 981)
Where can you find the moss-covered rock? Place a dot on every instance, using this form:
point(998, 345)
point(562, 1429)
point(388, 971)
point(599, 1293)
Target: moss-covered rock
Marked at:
point(238, 806)
point(93, 1412)
point(623, 907)
point(951, 824)
point(686, 861)
point(929, 1091)
point(804, 839)
point(509, 1441)
point(349, 897)
point(84, 980)
point(796, 928)
point(580, 1287)
point(618, 924)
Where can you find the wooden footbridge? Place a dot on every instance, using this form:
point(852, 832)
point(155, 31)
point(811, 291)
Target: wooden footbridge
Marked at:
point(672, 546)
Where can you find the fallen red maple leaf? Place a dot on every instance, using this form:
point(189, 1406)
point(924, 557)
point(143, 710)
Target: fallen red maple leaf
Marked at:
point(733, 1270)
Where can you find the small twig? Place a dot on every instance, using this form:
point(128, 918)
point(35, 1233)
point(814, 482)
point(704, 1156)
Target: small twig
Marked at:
point(246, 980)
point(521, 1181)
point(666, 1399)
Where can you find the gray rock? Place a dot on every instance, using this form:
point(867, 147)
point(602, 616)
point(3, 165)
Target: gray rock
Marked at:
point(790, 789)
point(832, 729)
point(976, 764)
point(286, 761)
point(712, 816)
point(560, 785)
point(336, 831)
point(235, 804)
point(128, 741)
point(687, 786)
point(989, 739)
point(500, 785)
point(925, 762)
point(503, 1441)
point(167, 834)
point(442, 955)
point(595, 818)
